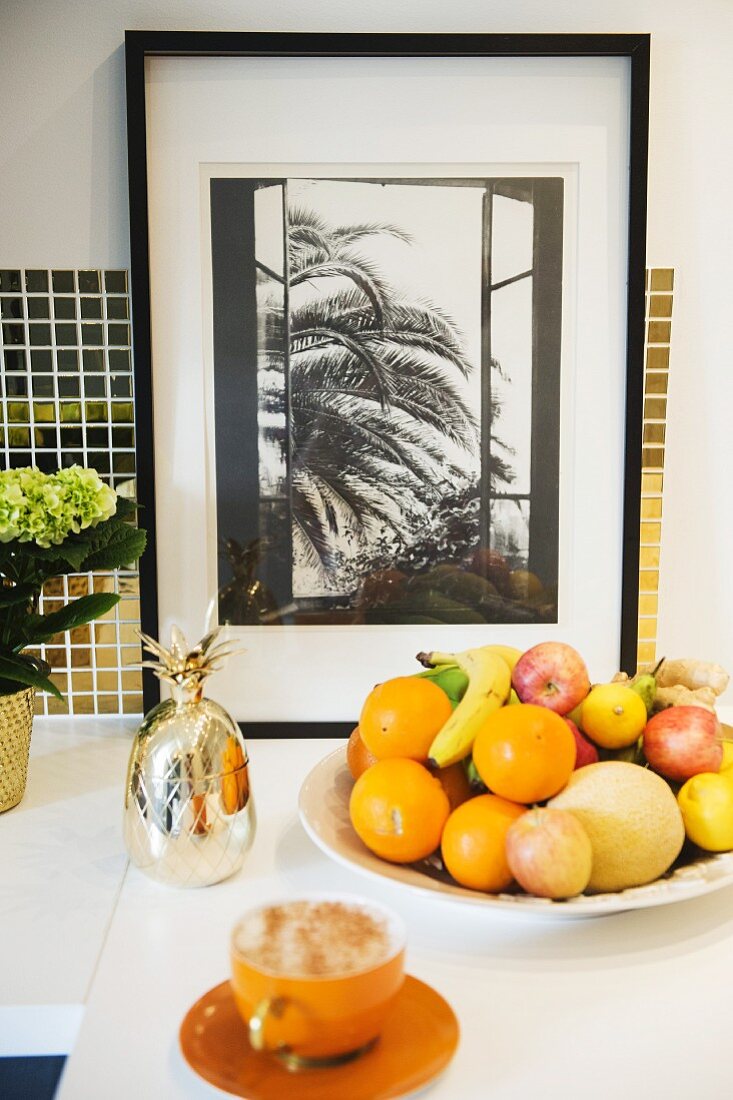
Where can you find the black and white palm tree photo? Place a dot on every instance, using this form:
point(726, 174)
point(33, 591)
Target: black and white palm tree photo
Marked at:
point(386, 375)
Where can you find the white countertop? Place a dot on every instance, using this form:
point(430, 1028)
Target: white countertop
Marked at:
point(98, 960)
point(61, 868)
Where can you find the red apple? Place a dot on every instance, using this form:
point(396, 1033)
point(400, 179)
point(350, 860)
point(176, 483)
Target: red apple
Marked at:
point(552, 675)
point(680, 742)
point(585, 752)
point(549, 853)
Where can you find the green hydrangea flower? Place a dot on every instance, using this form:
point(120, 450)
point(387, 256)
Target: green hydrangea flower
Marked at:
point(47, 508)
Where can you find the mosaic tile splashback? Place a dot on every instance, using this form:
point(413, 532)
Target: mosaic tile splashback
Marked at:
point(659, 290)
point(67, 397)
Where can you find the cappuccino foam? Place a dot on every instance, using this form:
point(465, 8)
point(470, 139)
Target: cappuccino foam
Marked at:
point(315, 939)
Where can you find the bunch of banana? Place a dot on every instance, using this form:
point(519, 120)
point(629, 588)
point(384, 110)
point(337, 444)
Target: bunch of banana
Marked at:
point(488, 669)
point(450, 678)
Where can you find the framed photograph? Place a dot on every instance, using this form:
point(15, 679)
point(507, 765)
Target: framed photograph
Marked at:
point(388, 310)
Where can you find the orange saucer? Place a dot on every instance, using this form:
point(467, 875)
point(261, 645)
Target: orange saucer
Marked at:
point(418, 1041)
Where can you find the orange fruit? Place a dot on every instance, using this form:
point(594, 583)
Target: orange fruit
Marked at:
point(402, 716)
point(358, 757)
point(474, 842)
point(454, 782)
point(398, 810)
point(525, 753)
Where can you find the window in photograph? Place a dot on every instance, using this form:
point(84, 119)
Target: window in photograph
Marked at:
point(387, 398)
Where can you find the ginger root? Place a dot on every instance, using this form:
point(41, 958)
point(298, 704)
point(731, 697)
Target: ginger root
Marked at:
point(680, 696)
point(694, 675)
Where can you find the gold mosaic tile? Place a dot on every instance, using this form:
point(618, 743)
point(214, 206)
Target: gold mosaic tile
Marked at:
point(108, 681)
point(655, 382)
point(649, 557)
point(660, 305)
point(651, 533)
point(655, 408)
point(654, 433)
point(651, 508)
point(652, 458)
point(662, 278)
point(651, 484)
point(85, 704)
point(107, 704)
point(657, 358)
point(106, 655)
point(658, 332)
point(127, 634)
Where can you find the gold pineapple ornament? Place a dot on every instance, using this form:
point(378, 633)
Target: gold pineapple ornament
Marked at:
point(189, 816)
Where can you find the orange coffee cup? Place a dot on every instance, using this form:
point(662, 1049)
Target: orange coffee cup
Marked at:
point(314, 978)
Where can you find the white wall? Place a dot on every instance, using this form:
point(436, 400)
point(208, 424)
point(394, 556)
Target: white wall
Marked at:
point(63, 195)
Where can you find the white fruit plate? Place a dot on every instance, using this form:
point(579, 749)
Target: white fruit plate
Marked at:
point(324, 812)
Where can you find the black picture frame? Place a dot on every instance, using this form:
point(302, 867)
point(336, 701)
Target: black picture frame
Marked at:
point(140, 45)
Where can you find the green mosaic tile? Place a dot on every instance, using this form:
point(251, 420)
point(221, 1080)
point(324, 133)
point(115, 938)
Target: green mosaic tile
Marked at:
point(89, 282)
point(9, 281)
point(91, 308)
point(36, 282)
point(63, 282)
point(38, 308)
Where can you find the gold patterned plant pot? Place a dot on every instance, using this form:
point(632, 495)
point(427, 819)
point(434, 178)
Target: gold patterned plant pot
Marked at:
point(16, 722)
point(189, 816)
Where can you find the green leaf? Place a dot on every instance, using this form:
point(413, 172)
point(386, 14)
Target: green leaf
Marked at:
point(125, 545)
point(21, 670)
point(19, 593)
point(77, 613)
point(72, 551)
point(96, 537)
point(125, 508)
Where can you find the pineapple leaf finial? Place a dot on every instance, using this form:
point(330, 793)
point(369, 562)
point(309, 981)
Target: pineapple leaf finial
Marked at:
point(179, 664)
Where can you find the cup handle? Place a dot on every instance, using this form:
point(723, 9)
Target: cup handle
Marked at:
point(268, 1006)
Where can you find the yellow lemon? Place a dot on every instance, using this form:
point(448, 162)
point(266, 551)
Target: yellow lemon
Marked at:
point(706, 804)
point(613, 715)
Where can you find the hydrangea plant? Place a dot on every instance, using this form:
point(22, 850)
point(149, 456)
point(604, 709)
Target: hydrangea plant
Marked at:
point(50, 525)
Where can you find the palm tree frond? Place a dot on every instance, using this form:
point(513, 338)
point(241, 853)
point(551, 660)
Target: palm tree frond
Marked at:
point(350, 233)
point(357, 274)
point(377, 400)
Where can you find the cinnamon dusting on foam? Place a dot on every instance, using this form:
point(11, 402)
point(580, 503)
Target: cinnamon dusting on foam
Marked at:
point(314, 939)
